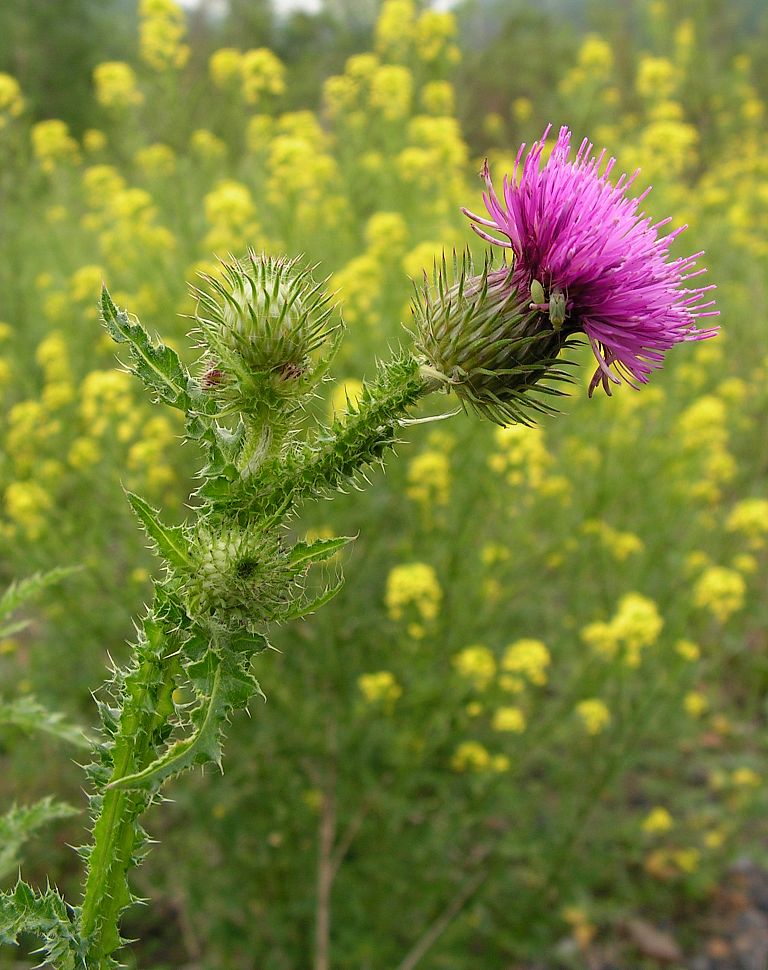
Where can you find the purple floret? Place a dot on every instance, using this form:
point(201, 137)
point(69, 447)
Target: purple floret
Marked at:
point(574, 231)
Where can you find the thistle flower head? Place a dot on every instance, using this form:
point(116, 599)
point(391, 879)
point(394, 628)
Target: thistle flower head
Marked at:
point(480, 337)
point(589, 261)
point(261, 325)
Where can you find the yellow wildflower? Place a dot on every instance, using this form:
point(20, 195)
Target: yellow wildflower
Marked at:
point(471, 756)
point(476, 663)
point(429, 479)
point(688, 650)
point(263, 74)
point(379, 687)
point(116, 86)
point(94, 141)
point(695, 703)
point(156, 160)
point(745, 778)
point(721, 591)
point(161, 31)
point(602, 638)
point(657, 820)
point(529, 658)
point(51, 143)
point(225, 66)
point(391, 91)
point(386, 235)
point(509, 719)
point(750, 517)
point(395, 28)
point(26, 504)
point(438, 98)
point(594, 715)
point(11, 101)
point(413, 585)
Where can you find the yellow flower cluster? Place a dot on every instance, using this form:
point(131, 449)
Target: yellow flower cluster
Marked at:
point(359, 286)
point(262, 74)
point(621, 545)
point(528, 658)
point(637, 624)
point(395, 29)
point(225, 66)
point(27, 505)
point(750, 517)
point(509, 719)
point(11, 100)
point(473, 756)
point(156, 161)
point(161, 32)
point(476, 664)
point(429, 480)
point(116, 85)
point(593, 69)
point(521, 455)
point(657, 821)
point(657, 78)
point(721, 591)
point(391, 91)
point(380, 688)
point(230, 212)
point(52, 143)
point(414, 589)
point(435, 38)
point(594, 715)
point(206, 146)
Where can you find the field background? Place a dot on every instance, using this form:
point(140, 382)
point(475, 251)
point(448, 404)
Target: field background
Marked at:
point(537, 712)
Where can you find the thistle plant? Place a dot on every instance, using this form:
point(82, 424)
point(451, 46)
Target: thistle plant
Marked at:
point(267, 333)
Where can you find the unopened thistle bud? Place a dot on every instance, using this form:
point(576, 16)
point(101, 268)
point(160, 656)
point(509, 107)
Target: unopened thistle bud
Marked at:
point(485, 341)
point(261, 325)
point(240, 578)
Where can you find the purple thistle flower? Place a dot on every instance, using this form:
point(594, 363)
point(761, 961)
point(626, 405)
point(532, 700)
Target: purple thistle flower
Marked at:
point(583, 245)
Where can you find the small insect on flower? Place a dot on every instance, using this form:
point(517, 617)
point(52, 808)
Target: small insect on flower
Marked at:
point(606, 265)
point(555, 306)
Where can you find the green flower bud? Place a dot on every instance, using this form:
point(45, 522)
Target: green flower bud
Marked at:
point(481, 338)
point(261, 326)
point(239, 578)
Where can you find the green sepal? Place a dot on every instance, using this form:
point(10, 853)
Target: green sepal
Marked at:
point(157, 365)
point(168, 540)
point(306, 553)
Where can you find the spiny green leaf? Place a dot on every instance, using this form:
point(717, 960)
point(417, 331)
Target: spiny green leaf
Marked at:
point(19, 824)
point(28, 715)
point(317, 551)
point(24, 589)
point(305, 608)
point(169, 540)
point(228, 686)
point(22, 910)
point(155, 364)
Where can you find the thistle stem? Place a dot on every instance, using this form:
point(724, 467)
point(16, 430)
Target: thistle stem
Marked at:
point(117, 836)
